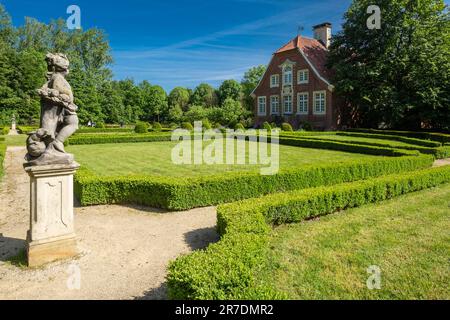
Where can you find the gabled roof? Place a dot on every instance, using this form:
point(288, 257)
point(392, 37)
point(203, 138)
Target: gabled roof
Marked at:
point(314, 52)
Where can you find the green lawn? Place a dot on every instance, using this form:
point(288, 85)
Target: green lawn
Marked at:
point(407, 237)
point(154, 158)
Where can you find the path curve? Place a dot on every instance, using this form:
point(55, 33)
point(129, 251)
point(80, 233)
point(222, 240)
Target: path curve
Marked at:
point(125, 250)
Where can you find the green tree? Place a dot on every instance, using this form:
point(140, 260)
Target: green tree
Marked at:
point(249, 82)
point(396, 76)
point(154, 100)
point(230, 89)
point(179, 96)
point(204, 95)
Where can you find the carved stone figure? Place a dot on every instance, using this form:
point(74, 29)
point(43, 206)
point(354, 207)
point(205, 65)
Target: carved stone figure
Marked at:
point(58, 116)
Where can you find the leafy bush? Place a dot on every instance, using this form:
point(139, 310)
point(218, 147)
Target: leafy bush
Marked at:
point(266, 126)
point(157, 127)
point(306, 126)
point(100, 125)
point(25, 129)
point(286, 127)
point(187, 126)
point(176, 194)
point(230, 268)
point(4, 130)
point(239, 126)
point(141, 127)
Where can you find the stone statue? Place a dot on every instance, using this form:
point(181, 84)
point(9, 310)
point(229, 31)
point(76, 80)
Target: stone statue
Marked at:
point(58, 116)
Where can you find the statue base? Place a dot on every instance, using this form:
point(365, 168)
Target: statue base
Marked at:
point(51, 235)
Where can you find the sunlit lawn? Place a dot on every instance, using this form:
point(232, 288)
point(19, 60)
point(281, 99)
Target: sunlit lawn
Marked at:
point(407, 238)
point(362, 139)
point(16, 140)
point(154, 158)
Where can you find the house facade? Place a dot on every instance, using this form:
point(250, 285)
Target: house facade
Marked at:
point(296, 86)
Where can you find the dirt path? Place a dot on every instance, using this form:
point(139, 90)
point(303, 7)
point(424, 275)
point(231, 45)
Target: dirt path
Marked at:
point(442, 162)
point(124, 250)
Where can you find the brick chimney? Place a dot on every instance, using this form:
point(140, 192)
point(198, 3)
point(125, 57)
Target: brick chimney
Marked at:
point(322, 32)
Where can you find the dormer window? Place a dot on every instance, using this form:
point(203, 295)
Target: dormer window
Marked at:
point(287, 75)
point(303, 76)
point(274, 81)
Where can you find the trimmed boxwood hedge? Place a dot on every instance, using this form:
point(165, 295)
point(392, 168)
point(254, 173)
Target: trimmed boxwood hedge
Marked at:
point(117, 138)
point(344, 146)
point(414, 141)
point(180, 194)
point(230, 268)
point(103, 130)
point(441, 137)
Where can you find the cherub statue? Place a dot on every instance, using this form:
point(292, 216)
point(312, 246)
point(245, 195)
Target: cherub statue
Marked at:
point(58, 116)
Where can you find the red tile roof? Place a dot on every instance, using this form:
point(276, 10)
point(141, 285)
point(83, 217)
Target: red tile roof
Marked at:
point(314, 51)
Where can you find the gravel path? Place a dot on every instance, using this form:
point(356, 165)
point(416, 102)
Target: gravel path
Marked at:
point(124, 249)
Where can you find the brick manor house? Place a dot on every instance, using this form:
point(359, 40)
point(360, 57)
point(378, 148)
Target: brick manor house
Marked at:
point(296, 86)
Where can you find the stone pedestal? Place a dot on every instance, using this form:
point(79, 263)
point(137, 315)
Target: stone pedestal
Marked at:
point(51, 235)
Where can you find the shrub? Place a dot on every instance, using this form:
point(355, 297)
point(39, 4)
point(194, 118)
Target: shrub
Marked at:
point(176, 194)
point(100, 125)
point(266, 126)
point(306, 126)
point(173, 125)
point(187, 126)
point(239, 126)
point(286, 127)
point(4, 130)
point(229, 269)
point(157, 127)
point(141, 127)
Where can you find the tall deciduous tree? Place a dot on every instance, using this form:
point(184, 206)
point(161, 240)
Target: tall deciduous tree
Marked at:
point(204, 95)
point(230, 89)
point(179, 96)
point(398, 75)
point(249, 82)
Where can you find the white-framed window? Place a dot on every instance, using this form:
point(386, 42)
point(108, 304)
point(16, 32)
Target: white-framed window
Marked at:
point(303, 76)
point(320, 102)
point(262, 106)
point(274, 104)
point(302, 102)
point(287, 75)
point(274, 81)
point(287, 103)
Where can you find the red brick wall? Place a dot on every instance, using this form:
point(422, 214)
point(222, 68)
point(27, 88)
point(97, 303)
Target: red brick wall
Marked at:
point(327, 121)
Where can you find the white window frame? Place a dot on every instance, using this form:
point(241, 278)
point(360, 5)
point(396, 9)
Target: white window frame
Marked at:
point(275, 81)
point(307, 103)
point(284, 104)
point(285, 74)
point(272, 104)
point(315, 101)
point(304, 73)
point(260, 103)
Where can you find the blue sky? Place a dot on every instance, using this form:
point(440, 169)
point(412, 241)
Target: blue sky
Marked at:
point(185, 42)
